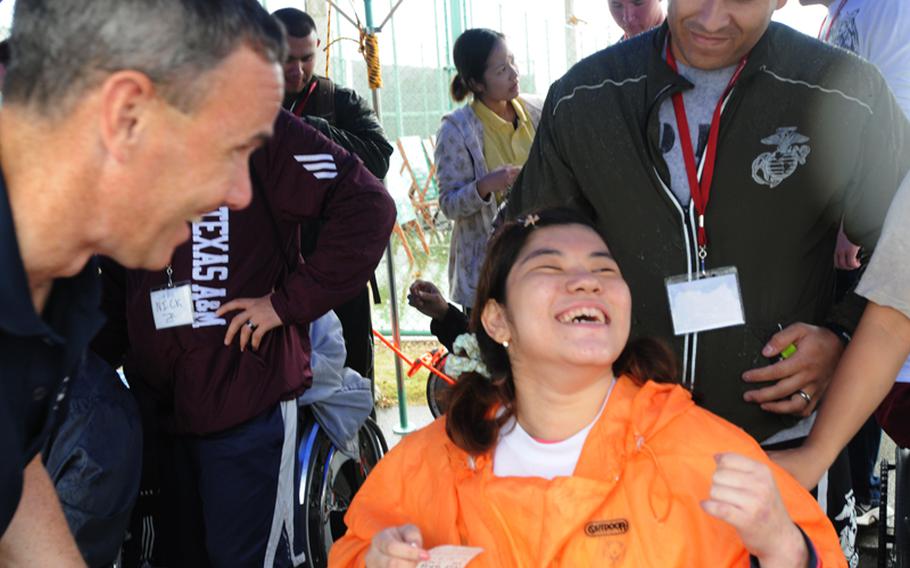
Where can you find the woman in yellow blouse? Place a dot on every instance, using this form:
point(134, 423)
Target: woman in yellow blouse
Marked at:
point(480, 149)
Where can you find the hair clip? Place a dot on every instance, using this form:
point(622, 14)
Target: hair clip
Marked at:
point(465, 357)
point(531, 220)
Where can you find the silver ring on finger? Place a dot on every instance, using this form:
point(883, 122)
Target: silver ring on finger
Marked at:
point(251, 325)
point(805, 396)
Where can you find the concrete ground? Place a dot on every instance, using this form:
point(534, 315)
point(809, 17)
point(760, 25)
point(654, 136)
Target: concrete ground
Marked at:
point(419, 416)
point(390, 422)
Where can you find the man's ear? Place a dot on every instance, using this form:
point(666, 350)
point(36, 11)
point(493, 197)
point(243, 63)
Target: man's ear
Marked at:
point(494, 321)
point(127, 100)
point(781, 4)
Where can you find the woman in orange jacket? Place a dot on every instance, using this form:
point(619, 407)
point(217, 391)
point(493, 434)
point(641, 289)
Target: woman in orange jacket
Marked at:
point(564, 446)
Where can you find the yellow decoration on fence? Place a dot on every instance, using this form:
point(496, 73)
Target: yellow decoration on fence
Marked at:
point(369, 46)
point(328, 37)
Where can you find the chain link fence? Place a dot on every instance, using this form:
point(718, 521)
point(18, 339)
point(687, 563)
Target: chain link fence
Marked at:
point(546, 37)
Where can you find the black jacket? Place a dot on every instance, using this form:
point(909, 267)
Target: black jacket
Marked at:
point(348, 120)
point(810, 134)
point(447, 329)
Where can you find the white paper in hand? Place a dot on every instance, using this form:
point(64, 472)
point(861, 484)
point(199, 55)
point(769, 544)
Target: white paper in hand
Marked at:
point(450, 557)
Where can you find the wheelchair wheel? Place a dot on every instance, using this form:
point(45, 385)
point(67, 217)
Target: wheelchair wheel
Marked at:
point(330, 483)
point(437, 395)
point(885, 535)
point(894, 539)
point(372, 445)
point(438, 391)
point(901, 514)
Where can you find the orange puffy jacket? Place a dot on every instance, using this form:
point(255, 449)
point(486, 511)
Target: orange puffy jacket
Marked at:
point(634, 499)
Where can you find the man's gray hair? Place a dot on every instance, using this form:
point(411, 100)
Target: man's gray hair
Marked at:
point(62, 48)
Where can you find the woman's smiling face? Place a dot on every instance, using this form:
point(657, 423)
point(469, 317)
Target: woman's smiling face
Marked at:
point(566, 301)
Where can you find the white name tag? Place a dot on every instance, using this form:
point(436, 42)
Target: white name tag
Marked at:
point(712, 301)
point(450, 557)
point(172, 306)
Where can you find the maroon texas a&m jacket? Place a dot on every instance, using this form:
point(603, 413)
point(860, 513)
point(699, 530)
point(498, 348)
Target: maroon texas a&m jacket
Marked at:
point(200, 386)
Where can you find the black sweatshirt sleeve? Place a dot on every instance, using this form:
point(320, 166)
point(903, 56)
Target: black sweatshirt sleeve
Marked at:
point(449, 327)
point(357, 130)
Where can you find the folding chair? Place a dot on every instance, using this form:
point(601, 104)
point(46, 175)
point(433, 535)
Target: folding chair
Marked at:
point(423, 191)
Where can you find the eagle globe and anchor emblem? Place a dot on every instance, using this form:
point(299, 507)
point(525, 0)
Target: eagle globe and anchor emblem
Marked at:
point(772, 168)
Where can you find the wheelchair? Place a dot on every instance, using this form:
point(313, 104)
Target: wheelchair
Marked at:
point(894, 535)
point(437, 389)
point(326, 481)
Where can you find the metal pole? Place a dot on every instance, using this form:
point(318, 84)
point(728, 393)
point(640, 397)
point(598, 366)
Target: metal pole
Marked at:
point(352, 21)
point(399, 109)
point(458, 18)
point(447, 102)
point(571, 35)
point(528, 71)
point(392, 11)
point(403, 427)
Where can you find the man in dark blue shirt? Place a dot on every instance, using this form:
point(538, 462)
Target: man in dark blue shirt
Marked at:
point(36, 355)
point(118, 125)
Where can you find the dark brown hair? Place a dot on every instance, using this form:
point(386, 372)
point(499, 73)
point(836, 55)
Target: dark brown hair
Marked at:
point(474, 418)
point(297, 23)
point(470, 54)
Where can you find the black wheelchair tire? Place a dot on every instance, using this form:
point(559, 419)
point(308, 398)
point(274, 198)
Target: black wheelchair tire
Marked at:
point(437, 395)
point(332, 481)
point(901, 521)
point(894, 541)
point(884, 536)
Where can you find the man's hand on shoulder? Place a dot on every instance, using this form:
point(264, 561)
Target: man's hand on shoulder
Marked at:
point(802, 378)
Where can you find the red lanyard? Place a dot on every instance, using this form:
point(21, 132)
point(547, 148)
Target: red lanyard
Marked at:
point(301, 104)
point(700, 188)
point(834, 18)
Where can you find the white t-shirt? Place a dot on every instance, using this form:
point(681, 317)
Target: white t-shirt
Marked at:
point(700, 102)
point(519, 455)
point(887, 279)
point(878, 31)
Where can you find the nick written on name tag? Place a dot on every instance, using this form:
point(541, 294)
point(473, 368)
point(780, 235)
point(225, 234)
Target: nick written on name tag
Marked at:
point(172, 306)
point(712, 301)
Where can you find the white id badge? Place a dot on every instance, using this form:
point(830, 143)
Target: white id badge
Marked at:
point(172, 306)
point(710, 301)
